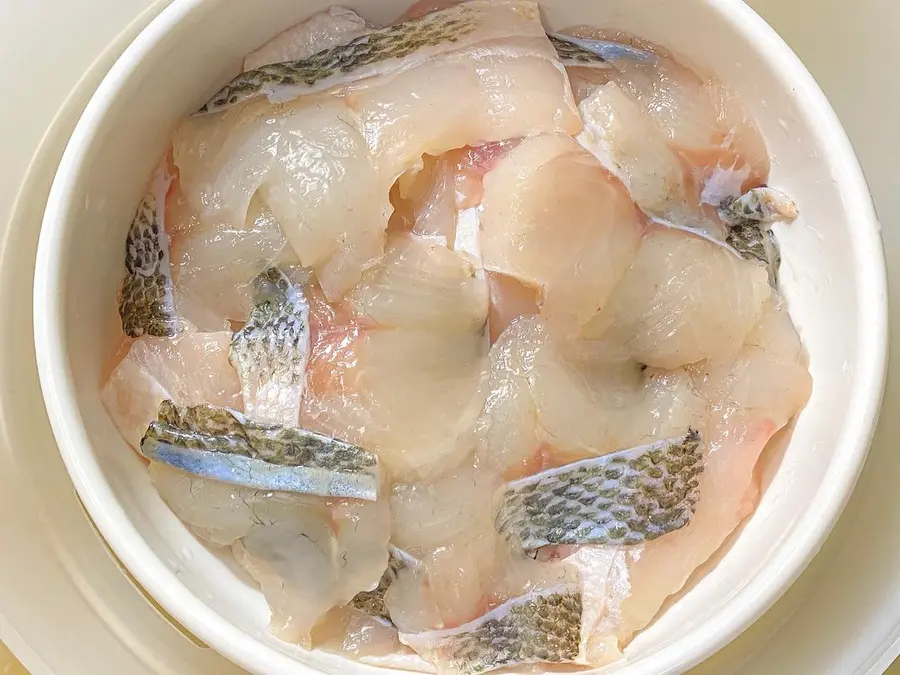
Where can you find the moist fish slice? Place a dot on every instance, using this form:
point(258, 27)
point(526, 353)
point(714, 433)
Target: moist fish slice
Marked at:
point(542, 627)
point(271, 352)
point(146, 299)
point(224, 445)
point(747, 218)
point(581, 52)
point(372, 602)
point(621, 499)
point(383, 51)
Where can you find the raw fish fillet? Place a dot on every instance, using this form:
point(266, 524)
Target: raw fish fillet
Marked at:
point(410, 396)
point(556, 398)
point(681, 140)
point(330, 28)
point(751, 398)
point(297, 154)
point(311, 559)
point(191, 369)
point(422, 284)
point(555, 219)
point(215, 264)
point(308, 554)
point(383, 51)
point(685, 299)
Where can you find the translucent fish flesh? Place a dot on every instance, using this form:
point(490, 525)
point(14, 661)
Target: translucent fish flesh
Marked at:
point(621, 499)
point(752, 397)
point(422, 284)
point(215, 264)
point(310, 556)
point(410, 396)
point(271, 351)
point(224, 445)
point(146, 300)
point(372, 602)
point(555, 219)
point(542, 627)
point(665, 312)
point(381, 51)
point(556, 399)
point(297, 155)
point(333, 27)
point(190, 369)
point(679, 139)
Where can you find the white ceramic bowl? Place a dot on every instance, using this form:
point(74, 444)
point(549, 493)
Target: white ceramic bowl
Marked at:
point(833, 277)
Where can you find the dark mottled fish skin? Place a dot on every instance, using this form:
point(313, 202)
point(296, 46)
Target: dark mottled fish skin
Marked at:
point(372, 602)
point(347, 63)
point(146, 299)
point(541, 627)
point(747, 218)
point(582, 52)
point(271, 352)
point(224, 445)
point(625, 498)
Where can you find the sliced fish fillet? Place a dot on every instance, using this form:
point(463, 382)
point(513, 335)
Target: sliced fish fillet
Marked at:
point(555, 219)
point(685, 299)
point(330, 28)
point(190, 369)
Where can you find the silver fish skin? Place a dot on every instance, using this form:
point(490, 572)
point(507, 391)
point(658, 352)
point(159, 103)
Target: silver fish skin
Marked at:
point(747, 218)
point(224, 445)
point(372, 602)
point(574, 51)
point(270, 353)
point(542, 627)
point(382, 51)
point(622, 499)
point(146, 298)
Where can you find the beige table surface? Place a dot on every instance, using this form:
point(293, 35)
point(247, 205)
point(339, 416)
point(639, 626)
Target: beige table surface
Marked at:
point(859, 85)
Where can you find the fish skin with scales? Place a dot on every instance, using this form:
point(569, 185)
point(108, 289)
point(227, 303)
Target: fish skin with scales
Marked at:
point(541, 627)
point(224, 445)
point(621, 499)
point(146, 296)
point(270, 353)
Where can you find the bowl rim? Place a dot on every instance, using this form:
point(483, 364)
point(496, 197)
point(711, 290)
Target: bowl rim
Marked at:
point(760, 592)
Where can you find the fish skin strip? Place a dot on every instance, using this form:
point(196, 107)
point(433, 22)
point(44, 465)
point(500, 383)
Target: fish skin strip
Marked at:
point(382, 51)
point(574, 51)
point(621, 499)
point(222, 444)
point(146, 298)
point(542, 627)
point(270, 353)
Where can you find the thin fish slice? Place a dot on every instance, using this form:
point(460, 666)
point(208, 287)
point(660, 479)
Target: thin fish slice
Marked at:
point(387, 50)
point(372, 602)
point(540, 627)
point(146, 300)
point(621, 499)
point(271, 352)
point(747, 218)
point(224, 445)
point(581, 52)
